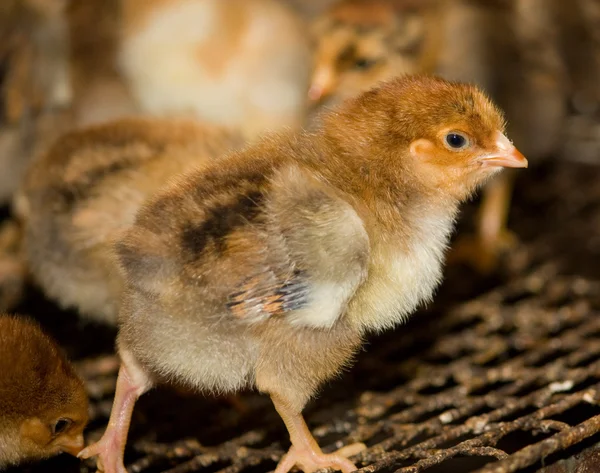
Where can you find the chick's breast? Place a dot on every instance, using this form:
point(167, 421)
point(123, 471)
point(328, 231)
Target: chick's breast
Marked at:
point(242, 272)
point(88, 187)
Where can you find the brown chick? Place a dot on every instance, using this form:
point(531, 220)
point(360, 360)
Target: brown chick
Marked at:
point(88, 187)
point(43, 403)
point(268, 269)
point(241, 63)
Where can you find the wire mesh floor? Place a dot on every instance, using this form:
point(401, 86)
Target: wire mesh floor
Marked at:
point(507, 381)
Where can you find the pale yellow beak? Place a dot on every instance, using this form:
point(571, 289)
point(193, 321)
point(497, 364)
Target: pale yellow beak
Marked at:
point(506, 156)
point(72, 445)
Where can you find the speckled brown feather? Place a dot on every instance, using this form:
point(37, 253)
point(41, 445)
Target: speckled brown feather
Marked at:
point(88, 187)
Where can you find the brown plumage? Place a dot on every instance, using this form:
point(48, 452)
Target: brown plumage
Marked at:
point(43, 404)
point(77, 198)
point(268, 268)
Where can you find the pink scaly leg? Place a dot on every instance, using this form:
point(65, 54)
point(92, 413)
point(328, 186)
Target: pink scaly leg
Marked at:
point(305, 452)
point(131, 384)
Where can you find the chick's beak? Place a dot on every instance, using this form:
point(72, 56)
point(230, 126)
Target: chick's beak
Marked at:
point(506, 155)
point(72, 445)
point(321, 84)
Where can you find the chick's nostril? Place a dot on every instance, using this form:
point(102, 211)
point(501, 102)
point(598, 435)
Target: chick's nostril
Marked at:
point(315, 93)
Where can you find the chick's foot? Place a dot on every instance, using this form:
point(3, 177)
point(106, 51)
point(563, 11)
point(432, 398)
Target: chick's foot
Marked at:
point(305, 452)
point(310, 460)
point(110, 458)
point(483, 251)
point(482, 254)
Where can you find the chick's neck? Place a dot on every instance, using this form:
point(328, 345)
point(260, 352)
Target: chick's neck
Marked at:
point(381, 185)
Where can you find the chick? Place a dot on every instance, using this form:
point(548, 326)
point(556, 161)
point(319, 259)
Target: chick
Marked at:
point(268, 269)
point(43, 404)
point(241, 63)
point(77, 197)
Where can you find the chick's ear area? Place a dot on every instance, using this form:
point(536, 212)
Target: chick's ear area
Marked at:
point(35, 431)
point(422, 149)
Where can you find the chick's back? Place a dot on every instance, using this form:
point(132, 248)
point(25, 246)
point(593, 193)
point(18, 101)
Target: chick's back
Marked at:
point(88, 187)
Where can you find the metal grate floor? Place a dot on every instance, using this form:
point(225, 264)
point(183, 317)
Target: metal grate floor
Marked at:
point(506, 382)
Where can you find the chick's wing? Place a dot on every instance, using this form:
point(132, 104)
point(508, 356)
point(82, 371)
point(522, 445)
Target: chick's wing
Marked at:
point(287, 247)
point(307, 255)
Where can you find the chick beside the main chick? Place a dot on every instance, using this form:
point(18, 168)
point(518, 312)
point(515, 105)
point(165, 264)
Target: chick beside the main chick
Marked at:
point(241, 63)
point(76, 199)
point(43, 403)
point(268, 268)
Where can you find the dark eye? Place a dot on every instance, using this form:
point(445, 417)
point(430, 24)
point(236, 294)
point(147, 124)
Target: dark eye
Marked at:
point(61, 425)
point(456, 141)
point(364, 63)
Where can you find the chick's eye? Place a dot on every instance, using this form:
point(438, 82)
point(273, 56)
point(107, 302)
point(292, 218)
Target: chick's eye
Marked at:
point(364, 63)
point(61, 425)
point(456, 140)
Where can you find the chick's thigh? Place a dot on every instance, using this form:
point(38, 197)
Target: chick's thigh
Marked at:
point(204, 350)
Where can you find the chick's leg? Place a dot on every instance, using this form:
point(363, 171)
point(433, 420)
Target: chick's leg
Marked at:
point(482, 250)
point(305, 451)
point(132, 382)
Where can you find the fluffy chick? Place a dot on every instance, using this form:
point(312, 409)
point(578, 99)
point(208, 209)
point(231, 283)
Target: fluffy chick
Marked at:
point(43, 403)
point(88, 187)
point(268, 269)
point(240, 63)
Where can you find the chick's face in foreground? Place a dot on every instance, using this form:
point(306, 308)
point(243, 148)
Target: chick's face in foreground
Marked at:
point(454, 135)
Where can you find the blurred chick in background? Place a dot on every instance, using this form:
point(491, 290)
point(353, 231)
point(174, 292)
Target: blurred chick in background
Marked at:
point(240, 63)
point(200, 58)
point(514, 49)
point(43, 404)
point(87, 188)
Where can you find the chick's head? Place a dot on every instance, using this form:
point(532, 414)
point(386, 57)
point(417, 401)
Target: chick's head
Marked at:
point(40, 393)
point(426, 133)
point(358, 43)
